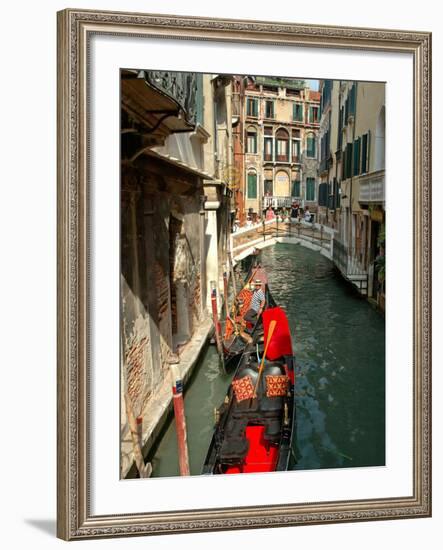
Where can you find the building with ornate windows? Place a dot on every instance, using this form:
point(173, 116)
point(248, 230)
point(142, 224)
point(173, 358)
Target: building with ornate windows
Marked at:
point(352, 180)
point(276, 143)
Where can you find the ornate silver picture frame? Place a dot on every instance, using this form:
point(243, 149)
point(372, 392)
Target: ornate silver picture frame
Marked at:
point(75, 31)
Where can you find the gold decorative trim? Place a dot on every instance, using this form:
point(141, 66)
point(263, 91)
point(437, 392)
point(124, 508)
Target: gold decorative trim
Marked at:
point(75, 28)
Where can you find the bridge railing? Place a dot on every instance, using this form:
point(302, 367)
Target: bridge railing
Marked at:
point(254, 235)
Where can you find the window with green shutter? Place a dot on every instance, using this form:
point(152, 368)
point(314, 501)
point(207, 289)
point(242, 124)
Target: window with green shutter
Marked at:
point(310, 146)
point(348, 168)
point(252, 186)
point(269, 109)
point(252, 107)
point(356, 170)
point(310, 189)
point(297, 112)
point(313, 114)
point(296, 150)
point(352, 96)
point(364, 154)
point(199, 98)
point(295, 192)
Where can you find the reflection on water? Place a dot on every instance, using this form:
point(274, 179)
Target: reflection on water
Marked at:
point(339, 341)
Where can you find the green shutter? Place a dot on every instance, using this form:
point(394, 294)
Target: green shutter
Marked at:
point(252, 186)
point(295, 188)
point(356, 167)
point(199, 98)
point(310, 146)
point(352, 97)
point(310, 189)
point(368, 163)
point(364, 154)
point(297, 112)
point(348, 168)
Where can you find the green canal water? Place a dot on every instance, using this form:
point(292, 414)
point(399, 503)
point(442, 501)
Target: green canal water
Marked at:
point(339, 343)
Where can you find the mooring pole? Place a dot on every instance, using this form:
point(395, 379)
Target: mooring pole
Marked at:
point(225, 290)
point(180, 421)
point(217, 324)
point(231, 265)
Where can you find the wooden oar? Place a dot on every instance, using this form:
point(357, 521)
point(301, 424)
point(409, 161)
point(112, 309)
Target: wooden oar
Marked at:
point(272, 326)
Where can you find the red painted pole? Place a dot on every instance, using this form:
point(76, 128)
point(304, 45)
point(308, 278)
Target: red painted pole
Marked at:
point(180, 421)
point(217, 324)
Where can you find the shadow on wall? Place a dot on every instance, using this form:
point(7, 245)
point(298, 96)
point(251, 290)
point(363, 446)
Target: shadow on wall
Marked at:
point(48, 526)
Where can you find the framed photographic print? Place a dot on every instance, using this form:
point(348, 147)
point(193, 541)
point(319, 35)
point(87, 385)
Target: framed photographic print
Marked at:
point(244, 274)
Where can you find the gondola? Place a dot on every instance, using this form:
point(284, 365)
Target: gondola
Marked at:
point(238, 333)
point(255, 424)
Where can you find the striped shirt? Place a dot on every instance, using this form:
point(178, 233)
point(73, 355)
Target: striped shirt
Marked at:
point(257, 299)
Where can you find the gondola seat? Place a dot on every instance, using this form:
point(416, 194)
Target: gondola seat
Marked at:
point(270, 405)
point(272, 430)
point(234, 450)
point(236, 427)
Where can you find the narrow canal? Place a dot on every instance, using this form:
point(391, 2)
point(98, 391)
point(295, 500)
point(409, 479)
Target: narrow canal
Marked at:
point(339, 343)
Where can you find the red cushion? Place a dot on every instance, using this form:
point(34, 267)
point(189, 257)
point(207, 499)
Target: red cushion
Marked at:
point(243, 388)
point(276, 385)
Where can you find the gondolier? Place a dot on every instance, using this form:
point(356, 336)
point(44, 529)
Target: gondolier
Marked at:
point(257, 303)
point(238, 331)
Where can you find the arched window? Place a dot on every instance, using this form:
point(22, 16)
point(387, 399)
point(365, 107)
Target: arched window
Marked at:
point(281, 187)
point(282, 145)
point(251, 140)
point(311, 149)
point(252, 184)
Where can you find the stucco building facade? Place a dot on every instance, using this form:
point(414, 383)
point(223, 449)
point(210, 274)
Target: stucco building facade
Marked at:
point(278, 121)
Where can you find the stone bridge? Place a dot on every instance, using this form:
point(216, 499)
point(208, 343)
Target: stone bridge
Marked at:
point(312, 235)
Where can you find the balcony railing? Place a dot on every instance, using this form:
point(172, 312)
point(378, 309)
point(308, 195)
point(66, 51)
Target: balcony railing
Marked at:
point(372, 187)
point(277, 202)
point(282, 158)
point(182, 87)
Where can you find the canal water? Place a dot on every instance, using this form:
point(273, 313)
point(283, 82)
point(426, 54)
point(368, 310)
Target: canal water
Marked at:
point(339, 343)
